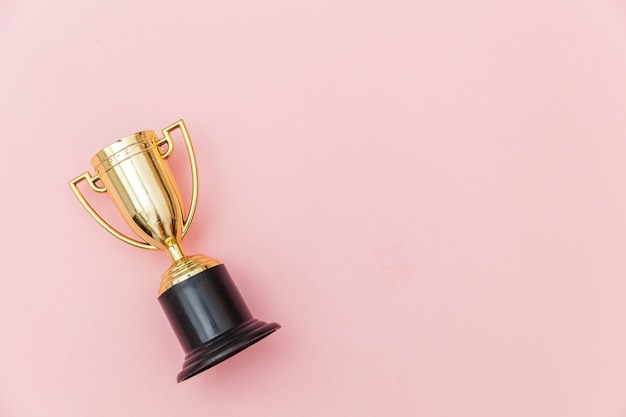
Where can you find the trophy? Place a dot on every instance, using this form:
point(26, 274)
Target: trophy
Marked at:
point(202, 303)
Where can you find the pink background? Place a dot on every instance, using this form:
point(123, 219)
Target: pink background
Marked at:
point(428, 196)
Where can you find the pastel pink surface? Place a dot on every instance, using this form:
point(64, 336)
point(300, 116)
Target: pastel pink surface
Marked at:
point(428, 196)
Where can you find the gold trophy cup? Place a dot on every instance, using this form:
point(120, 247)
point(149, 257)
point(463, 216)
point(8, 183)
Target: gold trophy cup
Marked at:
point(202, 303)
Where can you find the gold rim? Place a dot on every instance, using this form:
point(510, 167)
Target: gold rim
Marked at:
point(123, 149)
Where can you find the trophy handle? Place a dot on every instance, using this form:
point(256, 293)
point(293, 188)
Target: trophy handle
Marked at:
point(91, 180)
point(167, 138)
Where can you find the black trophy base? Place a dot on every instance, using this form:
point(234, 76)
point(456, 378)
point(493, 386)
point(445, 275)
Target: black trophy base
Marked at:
point(211, 320)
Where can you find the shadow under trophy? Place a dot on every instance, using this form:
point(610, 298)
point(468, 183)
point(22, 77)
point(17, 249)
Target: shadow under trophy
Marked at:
point(202, 303)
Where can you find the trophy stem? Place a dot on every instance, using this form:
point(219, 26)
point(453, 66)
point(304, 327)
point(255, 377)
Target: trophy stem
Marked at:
point(175, 250)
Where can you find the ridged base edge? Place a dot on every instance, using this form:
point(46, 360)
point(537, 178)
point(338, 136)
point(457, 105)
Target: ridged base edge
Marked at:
point(185, 269)
point(224, 346)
